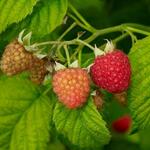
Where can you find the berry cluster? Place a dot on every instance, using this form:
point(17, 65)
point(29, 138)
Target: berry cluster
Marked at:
point(110, 71)
point(16, 59)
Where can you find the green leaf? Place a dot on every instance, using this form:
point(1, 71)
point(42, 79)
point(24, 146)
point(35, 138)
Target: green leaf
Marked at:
point(139, 92)
point(12, 11)
point(83, 127)
point(46, 17)
point(25, 115)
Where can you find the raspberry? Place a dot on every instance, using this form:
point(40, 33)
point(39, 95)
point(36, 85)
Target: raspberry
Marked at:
point(112, 71)
point(38, 71)
point(15, 59)
point(72, 86)
point(122, 124)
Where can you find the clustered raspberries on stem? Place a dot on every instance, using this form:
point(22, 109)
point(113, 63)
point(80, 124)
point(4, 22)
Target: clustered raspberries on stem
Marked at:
point(110, 71)
point(17, 59)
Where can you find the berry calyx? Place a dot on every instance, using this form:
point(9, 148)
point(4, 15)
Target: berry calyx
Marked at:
point(112, 71)
point(72, 86)
point(122, 124)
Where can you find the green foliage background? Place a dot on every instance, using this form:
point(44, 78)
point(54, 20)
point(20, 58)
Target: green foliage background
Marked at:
point(33, 120)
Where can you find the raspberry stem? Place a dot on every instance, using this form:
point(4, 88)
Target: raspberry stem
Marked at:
point(86, 44)
point(116, 40)
point(71, 42)
point(67, 54)
point(81, 24)
point(67, 31)
point(119, 28)
point(92, 29)
point(131, 27)
point(133, 37)
point(137, 28)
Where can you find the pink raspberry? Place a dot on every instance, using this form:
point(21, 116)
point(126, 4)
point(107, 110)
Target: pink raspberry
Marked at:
point(72, 86)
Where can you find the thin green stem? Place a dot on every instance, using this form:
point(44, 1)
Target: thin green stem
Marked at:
point(120, 28)
point(133, 37)
point(59, 54)
point(137, 30)
point(67, 31)
point(79, 57)
point(55, 43)
point(86, 44)
point(119, 38)
point(95, 35)
point(71, 42)
point(80, 16)
point(104, 31)
point(81, 24)
point(77, 51)
point(67, 54)
point(64, 34)
point(116, 40)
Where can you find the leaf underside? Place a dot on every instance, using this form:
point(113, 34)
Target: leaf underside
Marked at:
point(139, 92)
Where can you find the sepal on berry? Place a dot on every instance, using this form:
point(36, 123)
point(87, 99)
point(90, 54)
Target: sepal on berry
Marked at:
point(59, 66)
point(93, 93)
point(109, 47)
point(98, 52)
point(26, 42)
point(74, 64)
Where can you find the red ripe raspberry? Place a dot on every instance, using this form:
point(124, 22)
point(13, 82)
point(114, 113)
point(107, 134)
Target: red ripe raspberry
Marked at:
point(72, 86)
point(122, 125)
point(112, 71)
